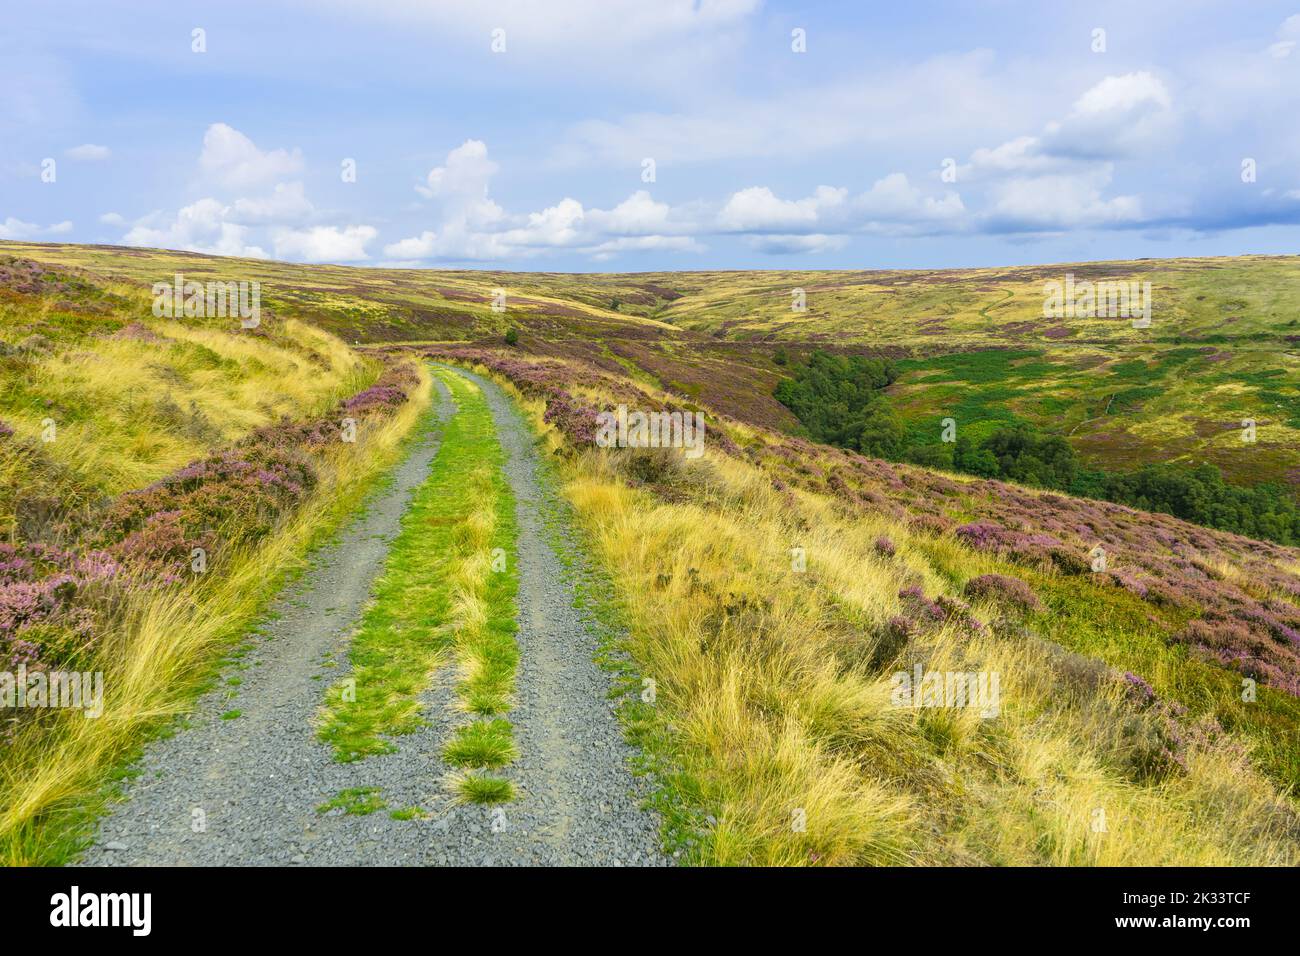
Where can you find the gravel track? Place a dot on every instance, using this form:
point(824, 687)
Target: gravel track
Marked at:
point(258, 779)
point(578, 802)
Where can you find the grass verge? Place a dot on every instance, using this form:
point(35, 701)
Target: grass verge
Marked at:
point(167, 651)
point(773, 729)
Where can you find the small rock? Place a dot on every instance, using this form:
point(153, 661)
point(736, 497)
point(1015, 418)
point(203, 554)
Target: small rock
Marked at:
point(114, 845)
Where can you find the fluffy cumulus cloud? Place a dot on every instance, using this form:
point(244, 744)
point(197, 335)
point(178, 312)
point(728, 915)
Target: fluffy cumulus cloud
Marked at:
point(1147, 139)
point(11, 228)
point(758, 209)
point(253, 206)
point(1059, 179)
point(324, 243)
point(1119, 117)
point(472, 226)
point(230, 159)
point(202, 226)
point(1056, 202)
point(893, 206)
point(286, 202)
point(1084, 162)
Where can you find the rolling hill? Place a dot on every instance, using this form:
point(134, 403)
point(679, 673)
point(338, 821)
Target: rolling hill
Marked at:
point(771, 591)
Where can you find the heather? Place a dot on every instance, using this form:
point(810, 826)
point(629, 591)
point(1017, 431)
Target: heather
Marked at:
point(131, 601)
point(775, 680)
point(56, 605)
point(1180, 570)
point(1002, 588)
point(970, 344)
point(98, 398)
point(156, 479)
point(772, 590)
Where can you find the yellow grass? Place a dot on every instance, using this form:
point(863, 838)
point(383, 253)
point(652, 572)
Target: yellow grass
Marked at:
point(128, 411)
point(158, 659)
point(766, 705)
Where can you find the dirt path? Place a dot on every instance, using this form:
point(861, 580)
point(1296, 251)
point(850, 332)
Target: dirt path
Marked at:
point(246, 790)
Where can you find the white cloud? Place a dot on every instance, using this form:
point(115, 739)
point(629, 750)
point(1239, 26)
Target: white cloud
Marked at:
point(230, 159)
point(113, 219)
point(558, 225)
point(611, 247)
point(464, 178)
point(1016, 155)
point(1289, 34)
point(1122, 94)
point(929, 104)
point(768, 222)
point(278, 213)
point(324, 243)
point(895, 200)
point(1057, 180)
point(1118, 117)
point(892, 206)
point(637, 215)
point(13, 228)
point(202, 226)
point(89, 153)
point(473, 227)
point(1058, 202)
point(460, 188)
point(758, 208)
point(287, 202)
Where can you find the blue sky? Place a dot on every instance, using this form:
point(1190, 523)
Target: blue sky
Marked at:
point(921, 134)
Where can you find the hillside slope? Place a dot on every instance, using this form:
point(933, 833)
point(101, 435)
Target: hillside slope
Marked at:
point(774, 591)
point(1221, 348)
point(159, 479)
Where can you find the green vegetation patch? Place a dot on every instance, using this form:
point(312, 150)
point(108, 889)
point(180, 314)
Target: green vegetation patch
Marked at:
point(483, 743)
point(355, 802)
point(417, 617)
point(481, 788)
point(840, 401)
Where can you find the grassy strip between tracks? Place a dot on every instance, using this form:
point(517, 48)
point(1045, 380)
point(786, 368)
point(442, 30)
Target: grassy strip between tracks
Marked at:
point(447, 592)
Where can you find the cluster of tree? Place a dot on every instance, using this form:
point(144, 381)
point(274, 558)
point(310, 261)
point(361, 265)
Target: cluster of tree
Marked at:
point(839, 401)
point(1201, 495)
